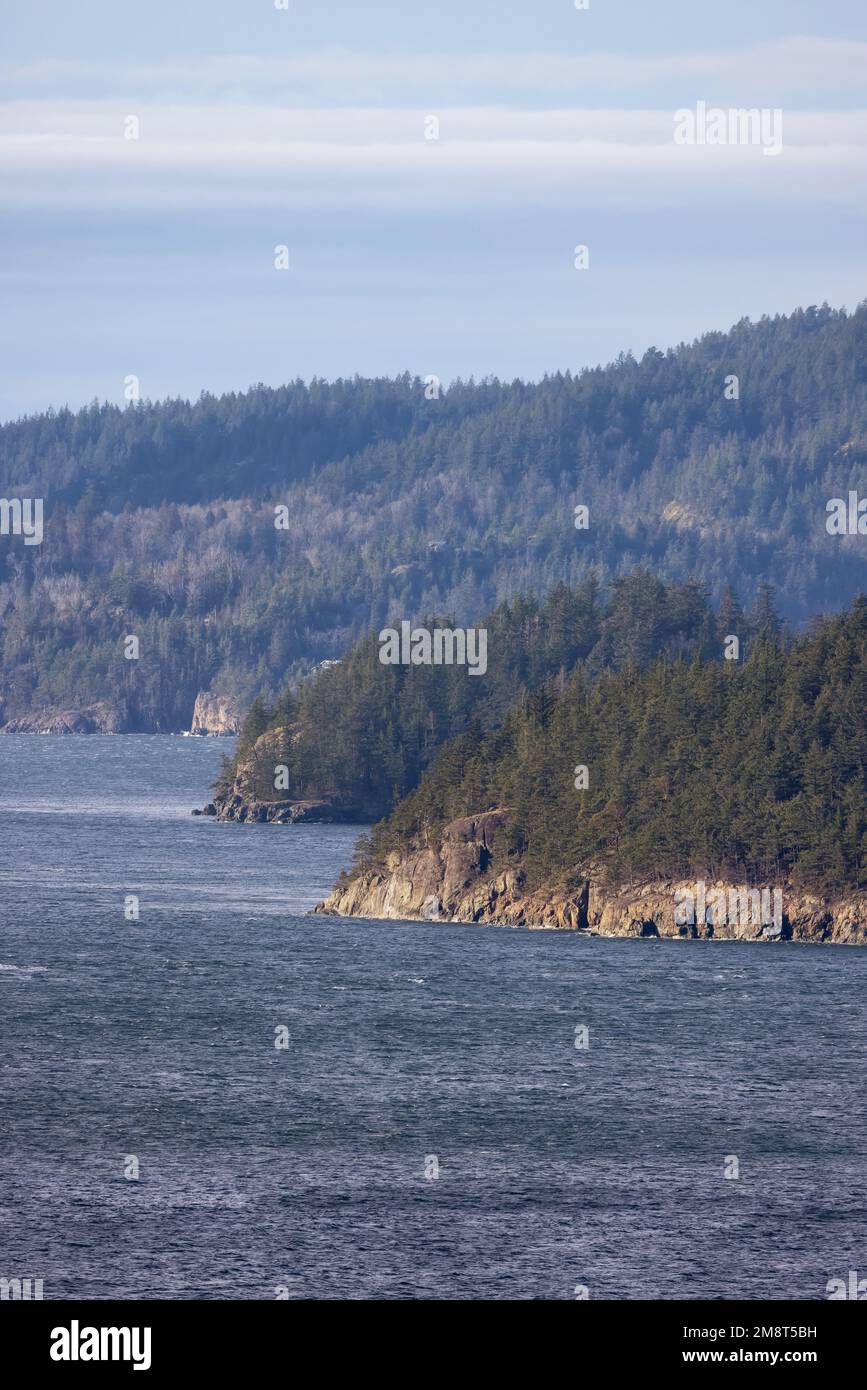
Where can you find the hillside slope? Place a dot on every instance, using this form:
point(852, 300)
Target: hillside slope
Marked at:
point(160, 518)
point(360, 734)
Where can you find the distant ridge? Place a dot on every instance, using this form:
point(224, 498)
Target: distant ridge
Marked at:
point(160, 519)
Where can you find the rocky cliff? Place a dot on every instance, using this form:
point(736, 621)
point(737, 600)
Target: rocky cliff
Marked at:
point(216, 714)
point(465, 877)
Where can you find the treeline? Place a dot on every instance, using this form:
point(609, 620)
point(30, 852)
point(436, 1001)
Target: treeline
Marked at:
point(362, 733)
point(159, 518)
point(755, 769)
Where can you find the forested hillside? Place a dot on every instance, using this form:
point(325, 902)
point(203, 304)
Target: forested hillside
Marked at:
point(361, 733)
point(756, 770)
point(160, 520)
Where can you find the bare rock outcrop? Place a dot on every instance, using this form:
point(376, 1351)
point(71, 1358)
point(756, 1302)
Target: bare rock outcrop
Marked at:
point(468, 876)
point(216, 714)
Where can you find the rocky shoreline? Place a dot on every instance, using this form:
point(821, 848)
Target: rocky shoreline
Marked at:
point(466, 878)
point(213, 715)
point(101, 718)
point(236, 808)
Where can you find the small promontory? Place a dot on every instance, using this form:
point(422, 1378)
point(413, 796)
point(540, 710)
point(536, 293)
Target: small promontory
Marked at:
point(469, 876)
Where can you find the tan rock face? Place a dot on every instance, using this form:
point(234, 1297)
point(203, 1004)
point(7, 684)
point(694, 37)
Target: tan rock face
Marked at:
point(215, 714)
point(461, 880)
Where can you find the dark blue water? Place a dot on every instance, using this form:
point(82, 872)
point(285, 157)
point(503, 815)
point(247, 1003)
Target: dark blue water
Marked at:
point(305, 1168)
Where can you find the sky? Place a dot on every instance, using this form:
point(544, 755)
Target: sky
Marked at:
point(153, 158)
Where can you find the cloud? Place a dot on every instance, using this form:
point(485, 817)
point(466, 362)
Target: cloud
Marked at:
point(799, 69)
point(75, 152)
point(341, 129)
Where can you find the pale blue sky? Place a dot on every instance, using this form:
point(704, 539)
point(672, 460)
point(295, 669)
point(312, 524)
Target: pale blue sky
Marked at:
point(306, 127)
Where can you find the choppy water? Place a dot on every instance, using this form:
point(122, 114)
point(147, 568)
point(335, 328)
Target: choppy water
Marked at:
point(305, 1167)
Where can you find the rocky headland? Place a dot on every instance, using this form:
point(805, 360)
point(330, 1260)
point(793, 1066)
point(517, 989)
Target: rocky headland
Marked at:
point(466, 877)
point(239, 801)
